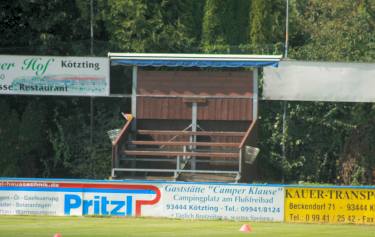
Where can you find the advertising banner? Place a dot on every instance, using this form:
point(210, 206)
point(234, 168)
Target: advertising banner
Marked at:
point(156, 199)
point(320, 81)
point(75, 198)
point(51, 75)
point(214, 201)
point(330, 205)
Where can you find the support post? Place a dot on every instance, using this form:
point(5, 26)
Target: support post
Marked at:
point(134, 108)
point(91, 98)
point(239, 166)
point(283, 144)
point(91, 120)
point(115, 161)
point(134, 97)
point(286, 29)
point(193, 138)
point(285, 105)
point(255, 94)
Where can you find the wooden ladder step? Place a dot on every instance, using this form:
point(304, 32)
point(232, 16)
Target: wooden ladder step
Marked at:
point(191, 133)
point(194, 177)
point(186, 143)
point(181, 153)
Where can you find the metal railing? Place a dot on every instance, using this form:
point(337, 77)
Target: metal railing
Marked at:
point(180, 163)
point(116, 141)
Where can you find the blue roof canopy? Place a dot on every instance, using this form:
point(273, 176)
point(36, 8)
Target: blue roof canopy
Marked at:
point(194, 60)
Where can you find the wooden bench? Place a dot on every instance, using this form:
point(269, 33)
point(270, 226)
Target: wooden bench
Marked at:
point(181, 153)
point(191, 133)
point(186, 143)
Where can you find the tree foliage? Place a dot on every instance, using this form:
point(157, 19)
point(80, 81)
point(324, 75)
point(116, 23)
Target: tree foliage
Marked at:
point(151, 26)
point(225, 22)
point(261, 22)
point(344, 33)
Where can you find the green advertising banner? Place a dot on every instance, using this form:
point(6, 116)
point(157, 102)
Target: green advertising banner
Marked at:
point(50, 75)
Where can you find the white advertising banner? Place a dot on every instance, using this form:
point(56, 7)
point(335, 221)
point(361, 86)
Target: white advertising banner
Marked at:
point(219, 201)
point(155, 199)
point(51, 75)
point(320, 81)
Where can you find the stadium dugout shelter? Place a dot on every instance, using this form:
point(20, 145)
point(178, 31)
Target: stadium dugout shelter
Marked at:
point(193, 117)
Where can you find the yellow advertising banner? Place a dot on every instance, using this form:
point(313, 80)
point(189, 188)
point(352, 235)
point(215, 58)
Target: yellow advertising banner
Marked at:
point(330, 205)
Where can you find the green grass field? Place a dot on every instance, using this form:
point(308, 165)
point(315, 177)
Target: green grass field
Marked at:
point(36, 226)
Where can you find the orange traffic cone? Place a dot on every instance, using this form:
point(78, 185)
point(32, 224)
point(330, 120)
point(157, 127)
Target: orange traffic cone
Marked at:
point(245, 228)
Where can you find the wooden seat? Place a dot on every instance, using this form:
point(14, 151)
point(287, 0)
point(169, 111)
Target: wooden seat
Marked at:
point(191, 133)
point(173, 154)
point(184, 143)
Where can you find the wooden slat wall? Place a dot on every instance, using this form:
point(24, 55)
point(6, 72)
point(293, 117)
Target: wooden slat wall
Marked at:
point(154, 84)
point(226, 109)
point(162, 108)
point(176, 108)
point(228, 83)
